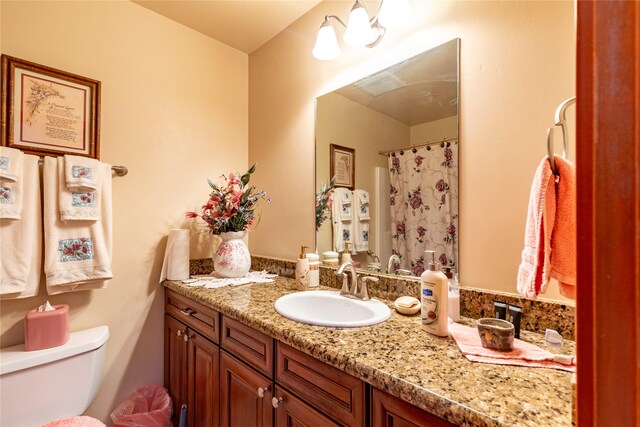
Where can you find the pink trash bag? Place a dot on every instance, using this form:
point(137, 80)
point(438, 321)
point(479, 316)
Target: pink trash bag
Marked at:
point(147, 406)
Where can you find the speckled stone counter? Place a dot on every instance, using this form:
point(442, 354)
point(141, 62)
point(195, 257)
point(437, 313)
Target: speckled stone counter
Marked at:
point(399, 358)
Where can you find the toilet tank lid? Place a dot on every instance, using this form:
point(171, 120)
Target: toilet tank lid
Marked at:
point(16, 358)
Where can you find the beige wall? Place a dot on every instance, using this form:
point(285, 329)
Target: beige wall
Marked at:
point(368, 132)
point(435, 130)
point(517, 64)
point(174, 111)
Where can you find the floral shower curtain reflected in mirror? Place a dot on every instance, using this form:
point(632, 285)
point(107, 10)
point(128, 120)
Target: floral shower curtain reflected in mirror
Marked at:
point(424, 205)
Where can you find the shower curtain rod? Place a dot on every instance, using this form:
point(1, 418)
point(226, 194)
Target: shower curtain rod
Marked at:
point(440, 141)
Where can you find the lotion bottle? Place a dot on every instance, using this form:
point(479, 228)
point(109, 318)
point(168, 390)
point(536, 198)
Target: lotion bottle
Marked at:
point(346, 255)
point(302, 270)
point(434, 296)
point(314, 270)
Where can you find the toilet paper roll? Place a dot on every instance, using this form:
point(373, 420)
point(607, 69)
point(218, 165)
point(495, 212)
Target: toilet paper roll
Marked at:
point(176, 256)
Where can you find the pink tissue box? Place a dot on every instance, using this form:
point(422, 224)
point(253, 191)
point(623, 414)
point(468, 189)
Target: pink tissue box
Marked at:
point(46, 329)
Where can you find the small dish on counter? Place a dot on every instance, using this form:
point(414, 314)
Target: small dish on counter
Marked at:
point(407, 305)
point(496, 334)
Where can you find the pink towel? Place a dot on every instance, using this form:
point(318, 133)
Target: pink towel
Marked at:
point(523, 354)
point(550, 232)
point(82, 421)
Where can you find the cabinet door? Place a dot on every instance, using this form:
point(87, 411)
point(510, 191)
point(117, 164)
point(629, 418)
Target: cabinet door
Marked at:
point(245, 395)
point(175, 363)
point(293, 412)
point(389, 411)
point(203, 394)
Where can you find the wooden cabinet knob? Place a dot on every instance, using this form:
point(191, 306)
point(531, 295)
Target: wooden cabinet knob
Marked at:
point(276, 402)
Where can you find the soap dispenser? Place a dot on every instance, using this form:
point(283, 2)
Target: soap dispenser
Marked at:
point(434, 296)
point(346, 255)
point(302, 270)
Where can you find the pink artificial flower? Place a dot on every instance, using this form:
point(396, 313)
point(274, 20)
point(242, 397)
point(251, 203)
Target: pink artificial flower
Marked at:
point(191, 214)
point(233, 180)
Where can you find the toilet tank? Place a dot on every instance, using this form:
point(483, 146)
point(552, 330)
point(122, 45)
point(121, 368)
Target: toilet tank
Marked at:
point(40, 386)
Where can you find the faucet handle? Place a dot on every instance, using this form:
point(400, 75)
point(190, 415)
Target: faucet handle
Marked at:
point(345, 285)
point(364, 290)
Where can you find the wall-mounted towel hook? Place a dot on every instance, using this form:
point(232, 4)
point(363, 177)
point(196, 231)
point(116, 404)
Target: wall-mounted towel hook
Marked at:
point(550, 151)
point(561, 120)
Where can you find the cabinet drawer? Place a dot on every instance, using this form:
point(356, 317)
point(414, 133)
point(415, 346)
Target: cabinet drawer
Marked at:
point(335, 393)
point(389, 411)
point(193, 314)
point(291, 411)
point(247, 344)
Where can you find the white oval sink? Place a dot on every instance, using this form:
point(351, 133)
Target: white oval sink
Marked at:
point(329, 308)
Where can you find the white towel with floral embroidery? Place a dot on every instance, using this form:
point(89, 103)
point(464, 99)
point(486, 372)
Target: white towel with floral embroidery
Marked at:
point(342, 218)
point(77, 253)
point(76, 203)
point(361, 220)
point(81, 173)
point(11, 183)
point(10, 164)
point(21, 239)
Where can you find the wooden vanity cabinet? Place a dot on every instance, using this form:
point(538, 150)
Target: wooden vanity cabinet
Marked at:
point(250, 379)
point(192, 360)
point(389, 411)
point(246, 376)
point(245, 395)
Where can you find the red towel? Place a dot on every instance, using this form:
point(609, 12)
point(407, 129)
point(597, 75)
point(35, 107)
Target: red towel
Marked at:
point(523, 353)
point(550, 232)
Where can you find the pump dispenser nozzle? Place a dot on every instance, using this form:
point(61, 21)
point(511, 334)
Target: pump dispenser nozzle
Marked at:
point(303, 251)
point(433, 264)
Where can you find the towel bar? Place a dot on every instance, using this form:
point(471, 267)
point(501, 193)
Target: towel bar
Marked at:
point(119, 170)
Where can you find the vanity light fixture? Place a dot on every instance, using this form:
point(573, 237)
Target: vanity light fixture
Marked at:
point(360, 30)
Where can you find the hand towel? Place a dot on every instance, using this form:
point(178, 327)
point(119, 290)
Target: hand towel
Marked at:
point(361, 220)
point(341, 217)
point(11, 184)
point(523, 353)
point(21, 240)
point(10, 164)
point(77, 204)
point(533, 273)
point(77, 253)
point(81, 173)
point(563, 244)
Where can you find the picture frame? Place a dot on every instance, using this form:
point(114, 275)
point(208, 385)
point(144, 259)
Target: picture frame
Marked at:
point(45, 111)
point(342, 165)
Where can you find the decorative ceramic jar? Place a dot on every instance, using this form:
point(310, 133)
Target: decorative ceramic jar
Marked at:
point(232, 258)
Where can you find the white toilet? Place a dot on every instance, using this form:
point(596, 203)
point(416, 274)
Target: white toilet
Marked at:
point(43, 385)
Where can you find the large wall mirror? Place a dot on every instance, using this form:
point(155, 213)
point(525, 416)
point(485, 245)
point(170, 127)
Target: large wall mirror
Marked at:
point(396, 133)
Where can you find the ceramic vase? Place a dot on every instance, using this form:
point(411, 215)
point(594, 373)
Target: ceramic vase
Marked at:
point(232, 258)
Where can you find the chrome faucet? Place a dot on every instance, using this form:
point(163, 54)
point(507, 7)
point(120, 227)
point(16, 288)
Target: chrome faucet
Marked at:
point(391, 265)
point(359, 288)
point(345, 281)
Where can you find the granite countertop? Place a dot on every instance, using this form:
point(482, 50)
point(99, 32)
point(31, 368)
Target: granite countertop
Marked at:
point(399, 358)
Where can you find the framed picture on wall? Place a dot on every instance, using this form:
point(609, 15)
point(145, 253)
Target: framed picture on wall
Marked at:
point(48, 111)
point(342, 165)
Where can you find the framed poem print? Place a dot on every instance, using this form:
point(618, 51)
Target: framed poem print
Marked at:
point(48, 111)
point(342, 165)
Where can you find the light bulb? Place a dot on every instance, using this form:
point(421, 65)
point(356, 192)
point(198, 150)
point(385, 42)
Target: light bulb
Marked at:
point(358, 32)
point(326, 47)
point(394, 13)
